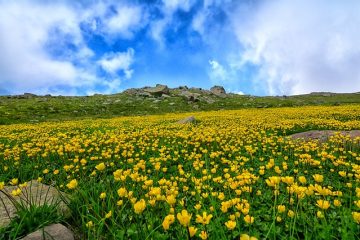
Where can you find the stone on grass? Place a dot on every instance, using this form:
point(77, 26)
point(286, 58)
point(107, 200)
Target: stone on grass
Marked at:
point(35, 193)
point(190, 119)
point(324, 135)
point(51, 232)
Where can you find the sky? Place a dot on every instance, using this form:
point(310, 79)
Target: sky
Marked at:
point(258, 47)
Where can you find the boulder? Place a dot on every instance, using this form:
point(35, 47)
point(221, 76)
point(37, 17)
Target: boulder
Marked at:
point(190, 119)
point(35, 193)
point(324, 135)
point(158, 90)
point(193, 97)
point(51, 232)
point(218, 91)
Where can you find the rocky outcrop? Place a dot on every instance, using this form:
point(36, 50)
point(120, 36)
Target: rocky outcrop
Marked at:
point(218, 91)
point(189, 96)
point(34, 193)
point(52, 232)
point(158, 90)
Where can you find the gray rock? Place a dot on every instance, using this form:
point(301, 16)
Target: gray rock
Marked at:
point(218, 91)
point(193, 97)
point(52, 232)
point(158, 90)
point(165, 96)
point(190, 119)
point(36, 193)
point(183, 87)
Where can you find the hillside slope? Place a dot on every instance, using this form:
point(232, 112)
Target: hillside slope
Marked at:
point(29, 108)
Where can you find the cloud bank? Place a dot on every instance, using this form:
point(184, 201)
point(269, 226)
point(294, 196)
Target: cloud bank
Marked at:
point(251, 46)
point(302, 46)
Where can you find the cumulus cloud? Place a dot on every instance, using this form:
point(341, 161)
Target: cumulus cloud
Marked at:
point(126, 19)
point(217, 72)
point(42, 48)
point(301, 46)
point(119, 61)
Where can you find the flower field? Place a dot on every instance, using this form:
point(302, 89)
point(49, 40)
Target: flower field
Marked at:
point(232, 175)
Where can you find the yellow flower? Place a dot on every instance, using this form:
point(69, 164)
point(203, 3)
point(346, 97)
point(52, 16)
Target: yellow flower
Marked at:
point(120, 202)
point(192, 231)
point(102, 195)
point(72, 184)
point(171, 200)
point(356, 217)
point(109, 214)
point(281, 208)
point(247, 237)
point(46, 171)
point(56, 172)
point(168, 220)
point(204, 219)
point(291, 213)
point(249, 219)
point(319, 214)
point(140, 206)
point(14, 181)
point(16, 192)
point(302, 179)
point(89, 224)
point(203, 235)
point(273, 181)
point(230, 224)
point(342, 173)
point(323, 204)
point(318, 178)
point(2, 185)
point(337, 203)
point(278, 219)
point(122, 192)
point(100, 166)
point(184, 218)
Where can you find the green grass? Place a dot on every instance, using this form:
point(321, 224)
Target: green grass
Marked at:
point(47, 108)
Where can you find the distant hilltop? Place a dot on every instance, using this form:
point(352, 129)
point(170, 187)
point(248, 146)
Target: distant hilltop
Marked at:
point(189, 93)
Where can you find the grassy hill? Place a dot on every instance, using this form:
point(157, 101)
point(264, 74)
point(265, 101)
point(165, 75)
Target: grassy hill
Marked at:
point(29, 108)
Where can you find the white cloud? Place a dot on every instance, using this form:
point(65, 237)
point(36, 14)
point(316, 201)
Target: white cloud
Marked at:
point(119, 61)
point(302, 46)
point(125, 21)
point(30, 33)
point(218, 72)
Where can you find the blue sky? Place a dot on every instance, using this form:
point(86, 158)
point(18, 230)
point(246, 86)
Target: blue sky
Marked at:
point(249, 46)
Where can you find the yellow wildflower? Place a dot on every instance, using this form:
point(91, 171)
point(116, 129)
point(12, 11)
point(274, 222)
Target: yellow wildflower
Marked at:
point(249, 219)
point(168, 220)
point(100, 166)
point(140, 206)
point(184, 218)
point(192, 231)
point(230, 224)
point(323, 204)
point(204, 219)
point(203, 235)
point(72, 184)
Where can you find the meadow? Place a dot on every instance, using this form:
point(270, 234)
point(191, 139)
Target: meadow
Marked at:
point(234, 174)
